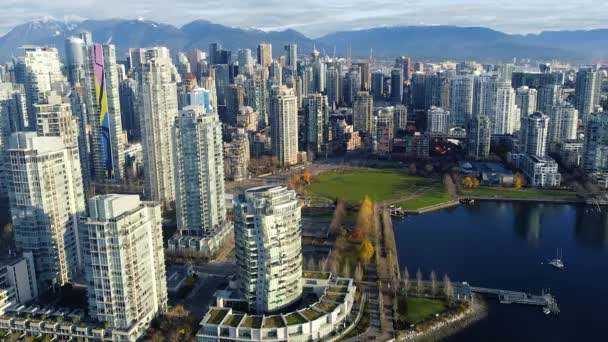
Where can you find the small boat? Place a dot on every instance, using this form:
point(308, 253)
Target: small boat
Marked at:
point(557, 262)
point(546, 310)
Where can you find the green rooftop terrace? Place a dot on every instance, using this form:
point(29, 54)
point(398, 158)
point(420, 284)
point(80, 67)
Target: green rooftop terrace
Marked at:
point(327, 307)
point(274, 322)
point(337, 289)
point(216, 316)
point(252, 322)
point(316, 275)
point(338, 298)
point(311, 314)
point(233, 320)
point(295, 318)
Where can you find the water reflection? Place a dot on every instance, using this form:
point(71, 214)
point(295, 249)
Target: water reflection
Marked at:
point(510, 244)
point(592, 226)
point(528, 221)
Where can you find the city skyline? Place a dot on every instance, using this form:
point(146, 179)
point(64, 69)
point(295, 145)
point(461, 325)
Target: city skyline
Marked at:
point(316, 18)
point(234, 185)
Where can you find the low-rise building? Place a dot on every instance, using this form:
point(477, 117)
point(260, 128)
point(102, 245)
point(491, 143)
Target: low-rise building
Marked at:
point(60, 325)
point(489, 174)
point(17, 281)
point(541, 171)
point(316, 322)
point(206, 245)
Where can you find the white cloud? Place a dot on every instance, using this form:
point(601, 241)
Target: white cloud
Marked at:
point(317, 17)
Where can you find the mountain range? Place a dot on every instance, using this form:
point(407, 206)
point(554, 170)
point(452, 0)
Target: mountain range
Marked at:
point(424, 42)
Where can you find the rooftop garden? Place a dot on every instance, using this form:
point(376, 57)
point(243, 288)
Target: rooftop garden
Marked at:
point(327, 307)
point(337, 289)
point(295, 318)
point(343, 282)
point(273, 322)
point(338, 298)
point(233, 320)
point(216, 316)
point(252, 322)
point(317, 275)
point(311, 314)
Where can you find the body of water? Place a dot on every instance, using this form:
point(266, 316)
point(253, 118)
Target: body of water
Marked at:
point(507, 246)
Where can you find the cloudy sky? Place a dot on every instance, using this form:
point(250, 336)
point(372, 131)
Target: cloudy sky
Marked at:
point(317, 17)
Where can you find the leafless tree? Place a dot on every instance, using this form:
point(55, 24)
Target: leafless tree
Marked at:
point(405, 276)
point(346, 270)
point(419, 281)
point(382, 312)
point(433, 283)
point(332, 264)
point(448, 288)
point(335, 227)
point(450, 187)
point(322, 264)
point(310, 265)
point(359, 272)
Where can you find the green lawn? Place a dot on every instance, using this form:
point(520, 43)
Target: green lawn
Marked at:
point(380, 184)
point(430, 198)
point(419, 309)
point(531, 193)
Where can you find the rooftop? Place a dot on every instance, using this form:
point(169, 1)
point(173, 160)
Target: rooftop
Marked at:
point(325, 306)
point(316, 275)
point(233, 320)
point(216, 315)
point(338, 298)
point(252, 322)
point(295, 318)
point(337, 289)
point(311, 314)
point(274, 322)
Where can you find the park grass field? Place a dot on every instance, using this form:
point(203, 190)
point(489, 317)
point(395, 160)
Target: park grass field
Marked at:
point(430, 198)
point(380, 185)
point(421, 309)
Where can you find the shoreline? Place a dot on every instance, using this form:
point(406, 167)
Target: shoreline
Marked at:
point(456, 202)
point(449, 326)
point(519, 199)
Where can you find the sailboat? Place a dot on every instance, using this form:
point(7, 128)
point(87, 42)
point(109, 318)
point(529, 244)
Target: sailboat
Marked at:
point(557, 262)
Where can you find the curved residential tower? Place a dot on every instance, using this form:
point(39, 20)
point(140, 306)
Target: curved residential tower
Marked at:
point(268, 247)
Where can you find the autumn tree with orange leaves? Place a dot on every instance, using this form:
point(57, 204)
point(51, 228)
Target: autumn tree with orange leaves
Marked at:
point(364, 222)
point(519, 181)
